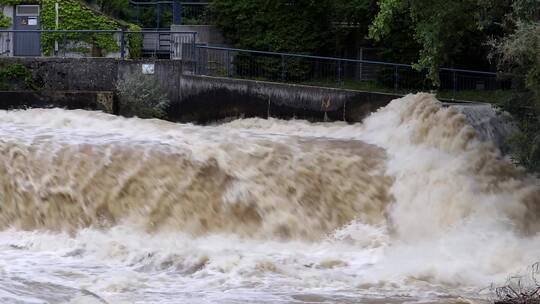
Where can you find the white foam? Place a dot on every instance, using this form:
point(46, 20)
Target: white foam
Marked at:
point(461, 217)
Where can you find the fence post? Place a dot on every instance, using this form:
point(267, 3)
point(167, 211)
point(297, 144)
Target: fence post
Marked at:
point(396, 78)
point(122, 44)
point(340, 69)
point(283, 69)
point(454, 80)
point(229, 74)
point(197, 55)
point(177, 12)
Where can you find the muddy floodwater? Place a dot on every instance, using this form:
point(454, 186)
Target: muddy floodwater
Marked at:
point(414, 205)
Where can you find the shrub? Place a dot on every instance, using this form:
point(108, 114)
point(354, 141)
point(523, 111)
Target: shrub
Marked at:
point(520, 289)
point(142, 96)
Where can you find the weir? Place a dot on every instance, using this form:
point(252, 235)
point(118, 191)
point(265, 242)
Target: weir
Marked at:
point(200, 99)
point(411, 199)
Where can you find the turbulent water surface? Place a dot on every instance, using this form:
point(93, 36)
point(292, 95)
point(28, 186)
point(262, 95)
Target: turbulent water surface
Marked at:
point(412, 206)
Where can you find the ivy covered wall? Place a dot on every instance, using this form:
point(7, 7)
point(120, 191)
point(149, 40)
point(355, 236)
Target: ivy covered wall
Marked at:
point(75, 15)
point(5, 21)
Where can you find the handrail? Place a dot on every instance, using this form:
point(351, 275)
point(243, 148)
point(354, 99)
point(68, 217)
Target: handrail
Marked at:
point(337, 59)
point(100, 31)
point(166, 2)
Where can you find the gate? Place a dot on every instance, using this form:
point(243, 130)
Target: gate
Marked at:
point(27, 18)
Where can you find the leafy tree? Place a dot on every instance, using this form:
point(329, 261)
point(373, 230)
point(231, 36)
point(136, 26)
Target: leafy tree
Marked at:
point(115, 8)
point(517, 54)
point(281, 25)
point(445, 30)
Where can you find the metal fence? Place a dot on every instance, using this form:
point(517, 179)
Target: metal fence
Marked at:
point(248, 64)
point(89, 43)
point(338, 72)
point(197, 13)
point(157, 14)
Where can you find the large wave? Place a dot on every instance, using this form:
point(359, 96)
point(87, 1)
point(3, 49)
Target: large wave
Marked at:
point(411, 201)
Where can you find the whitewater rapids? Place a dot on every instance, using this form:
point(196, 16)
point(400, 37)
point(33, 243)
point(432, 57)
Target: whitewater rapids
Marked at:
point(410, 206)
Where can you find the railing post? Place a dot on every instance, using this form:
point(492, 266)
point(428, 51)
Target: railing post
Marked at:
point(122, 44)
point(158, 15)
point(197, 55)
point(340, 70)
point(454, 80)
point(229, 72)
point(283, 69)
point(396, 78)
point(177, 12)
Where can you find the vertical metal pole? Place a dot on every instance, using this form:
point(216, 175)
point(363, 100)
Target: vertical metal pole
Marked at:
point(396, 78)
point(361, 64)
point(283, 69)
point(340, 69)
point(454, 77)
point(197, 55)
point(122, 44)
point(177, 12)
point(158, 15)
point(229, 70)
point(57, 23)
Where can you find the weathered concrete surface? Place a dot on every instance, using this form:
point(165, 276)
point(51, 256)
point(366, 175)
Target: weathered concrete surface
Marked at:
point(69, 74)
point(193, 98)
point(102, 101)
point(206, 98)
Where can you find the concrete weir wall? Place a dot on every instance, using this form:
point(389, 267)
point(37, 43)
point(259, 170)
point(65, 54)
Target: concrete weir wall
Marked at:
point(204, 98)
point(193, 98)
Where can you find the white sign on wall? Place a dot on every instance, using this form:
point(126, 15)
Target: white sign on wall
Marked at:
point(148, 68)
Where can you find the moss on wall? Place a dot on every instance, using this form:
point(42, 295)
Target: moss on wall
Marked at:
point(16, 76)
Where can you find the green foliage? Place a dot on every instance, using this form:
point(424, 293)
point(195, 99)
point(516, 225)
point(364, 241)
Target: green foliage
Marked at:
point(16, 2)
point(5, 21)
point(74, 15)
point(301, 26)
point(115, 8)
point(134, 42)
point(142, 96)
point(517, 54)
point(444, 29)
point(16, 76)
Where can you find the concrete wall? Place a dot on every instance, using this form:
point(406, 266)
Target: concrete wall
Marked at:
point(206, 98)
point(201, 98)
point(102, 101)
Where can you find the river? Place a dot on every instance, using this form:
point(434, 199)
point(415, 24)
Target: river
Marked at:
point(410, 206)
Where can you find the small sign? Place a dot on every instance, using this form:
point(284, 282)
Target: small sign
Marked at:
point(32, 21)
point(148, 68)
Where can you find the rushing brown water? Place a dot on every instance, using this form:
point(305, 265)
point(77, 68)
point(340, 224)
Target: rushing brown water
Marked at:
point(410, 206)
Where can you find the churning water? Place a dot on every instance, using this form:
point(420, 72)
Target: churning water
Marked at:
point(410, 206)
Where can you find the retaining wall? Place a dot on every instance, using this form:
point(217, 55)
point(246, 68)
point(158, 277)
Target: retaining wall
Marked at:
point(193, 98)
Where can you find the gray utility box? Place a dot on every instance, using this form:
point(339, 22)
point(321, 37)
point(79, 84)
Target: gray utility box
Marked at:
point(27, 18)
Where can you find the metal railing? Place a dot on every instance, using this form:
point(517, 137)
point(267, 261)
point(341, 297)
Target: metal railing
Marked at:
point(339, 72)
point(89, 43)
point(198, 13)
point(192, 13)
